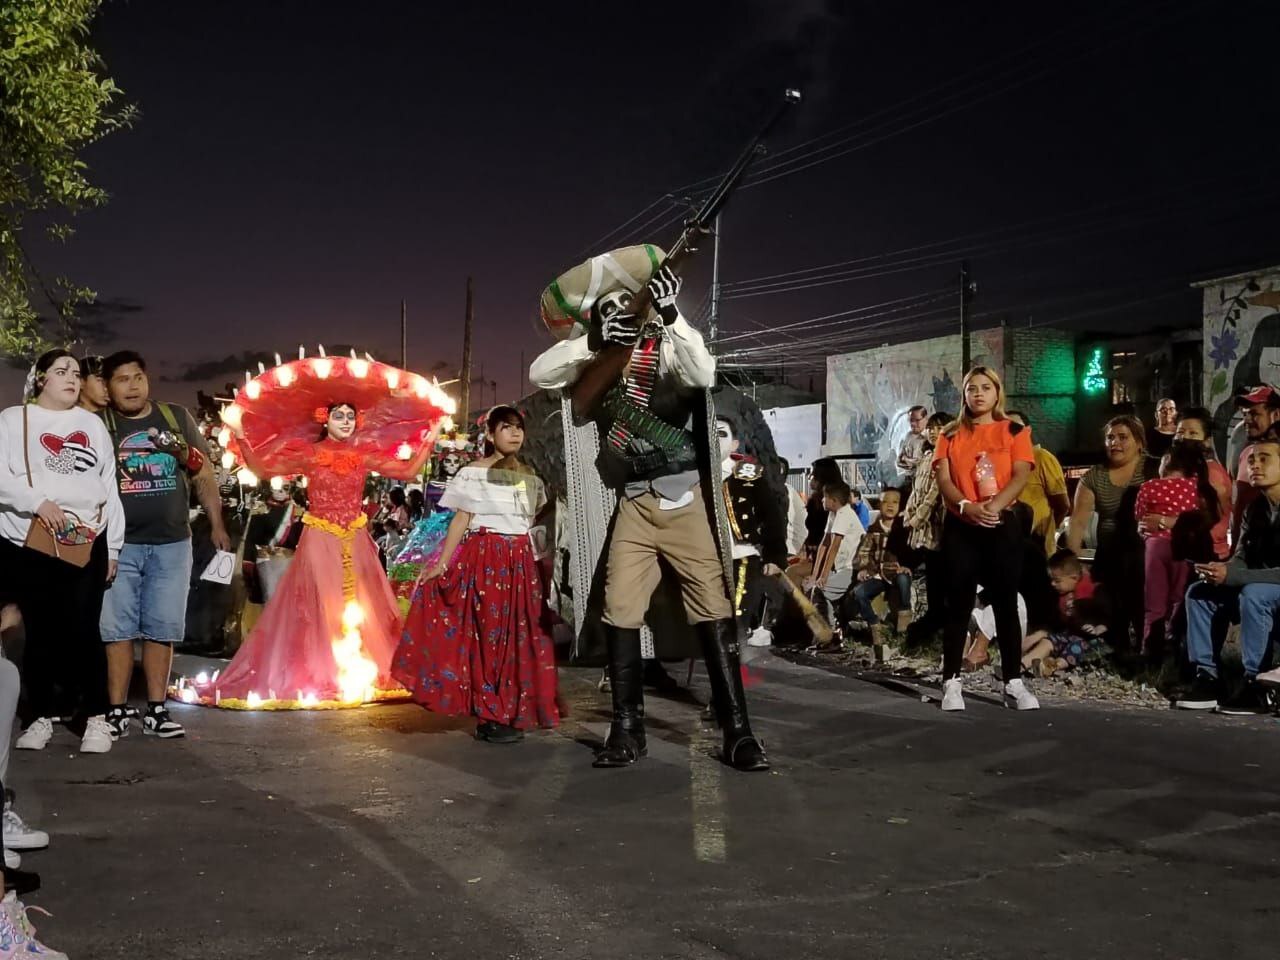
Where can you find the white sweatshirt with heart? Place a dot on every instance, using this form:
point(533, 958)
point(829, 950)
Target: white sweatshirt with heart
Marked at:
point(73, 463)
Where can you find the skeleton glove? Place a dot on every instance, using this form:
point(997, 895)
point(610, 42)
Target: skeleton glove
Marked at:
point(664, 286)
point(620, 332)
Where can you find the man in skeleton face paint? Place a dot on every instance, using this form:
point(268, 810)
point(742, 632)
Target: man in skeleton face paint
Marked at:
point(658, 457)
point(449, 466)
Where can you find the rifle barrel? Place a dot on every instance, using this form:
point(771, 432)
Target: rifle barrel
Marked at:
point(713, 203)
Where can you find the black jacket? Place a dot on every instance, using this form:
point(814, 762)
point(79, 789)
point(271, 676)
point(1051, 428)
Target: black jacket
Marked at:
point(755, 516)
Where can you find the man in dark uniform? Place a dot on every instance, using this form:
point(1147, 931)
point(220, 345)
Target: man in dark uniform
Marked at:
point(757, 524)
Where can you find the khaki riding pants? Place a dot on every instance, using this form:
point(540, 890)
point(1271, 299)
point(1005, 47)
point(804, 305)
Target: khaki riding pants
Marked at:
point(643, 533)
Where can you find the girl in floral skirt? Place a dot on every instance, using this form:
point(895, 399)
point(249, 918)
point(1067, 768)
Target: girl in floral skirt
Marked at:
point(475, 641)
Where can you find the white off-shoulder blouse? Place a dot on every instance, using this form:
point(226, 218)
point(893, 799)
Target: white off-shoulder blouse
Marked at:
point(503, 501)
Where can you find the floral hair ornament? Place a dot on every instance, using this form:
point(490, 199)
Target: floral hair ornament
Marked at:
point(321, 416)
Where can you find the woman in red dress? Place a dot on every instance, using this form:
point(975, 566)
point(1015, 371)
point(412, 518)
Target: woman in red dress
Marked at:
point(475, 641)
point(328, 634)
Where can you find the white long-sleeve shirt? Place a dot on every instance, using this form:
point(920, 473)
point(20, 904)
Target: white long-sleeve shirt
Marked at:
point(72, 463)
point(683, 356)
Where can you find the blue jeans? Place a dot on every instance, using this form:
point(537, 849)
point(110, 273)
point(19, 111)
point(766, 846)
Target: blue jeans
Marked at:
point(148, 598)
point(868, 590)
point(1212, 608)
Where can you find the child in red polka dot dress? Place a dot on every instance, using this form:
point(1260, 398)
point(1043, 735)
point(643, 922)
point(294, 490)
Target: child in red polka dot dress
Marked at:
point(1160, 502)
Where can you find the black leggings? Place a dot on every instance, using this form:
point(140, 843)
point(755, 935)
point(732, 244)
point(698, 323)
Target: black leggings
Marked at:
point(992, 557)
point(60, 606)
point(935, 586)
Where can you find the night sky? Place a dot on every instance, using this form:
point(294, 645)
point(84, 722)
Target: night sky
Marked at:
point(298, 168)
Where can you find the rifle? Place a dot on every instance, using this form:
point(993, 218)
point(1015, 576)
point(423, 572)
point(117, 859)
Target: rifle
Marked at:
point(605, 368)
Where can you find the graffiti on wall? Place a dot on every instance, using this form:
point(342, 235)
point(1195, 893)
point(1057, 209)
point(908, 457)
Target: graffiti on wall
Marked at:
point(870, 391)
point(1241, 339)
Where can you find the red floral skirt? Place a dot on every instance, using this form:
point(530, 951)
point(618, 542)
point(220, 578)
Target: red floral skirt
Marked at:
point(475, 641)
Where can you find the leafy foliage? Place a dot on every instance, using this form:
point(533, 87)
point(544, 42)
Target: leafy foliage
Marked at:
point(55, 100)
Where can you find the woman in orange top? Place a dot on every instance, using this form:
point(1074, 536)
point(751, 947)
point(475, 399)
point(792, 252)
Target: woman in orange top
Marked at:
point(981, 463)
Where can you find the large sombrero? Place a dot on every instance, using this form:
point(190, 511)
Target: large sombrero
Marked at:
point(280, 410)
point(567, 301)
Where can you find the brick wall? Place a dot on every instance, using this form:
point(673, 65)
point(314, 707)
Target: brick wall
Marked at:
point(1040, 379)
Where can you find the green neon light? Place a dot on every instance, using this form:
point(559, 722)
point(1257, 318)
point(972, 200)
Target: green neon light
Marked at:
point(1095, 378)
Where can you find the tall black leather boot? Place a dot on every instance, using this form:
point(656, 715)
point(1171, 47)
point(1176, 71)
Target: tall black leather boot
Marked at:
point(742, 750)
point(625, 743)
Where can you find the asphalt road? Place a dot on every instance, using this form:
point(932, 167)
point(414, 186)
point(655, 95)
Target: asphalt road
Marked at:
point(885, 829)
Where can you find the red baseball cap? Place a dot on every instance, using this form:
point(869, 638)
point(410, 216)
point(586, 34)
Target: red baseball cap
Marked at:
point(1263, 393)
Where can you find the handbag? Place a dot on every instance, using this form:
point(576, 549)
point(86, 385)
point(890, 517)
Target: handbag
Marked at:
point(73, 545)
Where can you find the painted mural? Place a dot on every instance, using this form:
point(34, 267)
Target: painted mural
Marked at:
point(1241, 339)
point(870, 391)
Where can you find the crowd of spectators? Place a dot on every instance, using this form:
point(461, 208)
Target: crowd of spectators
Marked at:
point(1161, 549)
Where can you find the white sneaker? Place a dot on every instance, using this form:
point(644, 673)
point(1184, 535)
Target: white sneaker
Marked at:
point(36, 736)
point(952, 695)
point(97, 736)
point(11, 859)
point(19, 836)
point(1271, 678)
point(1022, 698)
point(760, 637)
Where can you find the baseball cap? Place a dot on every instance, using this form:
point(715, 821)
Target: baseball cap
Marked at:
point(1263, 393)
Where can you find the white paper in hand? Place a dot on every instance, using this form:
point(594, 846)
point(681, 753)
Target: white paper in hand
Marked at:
point(221, 568)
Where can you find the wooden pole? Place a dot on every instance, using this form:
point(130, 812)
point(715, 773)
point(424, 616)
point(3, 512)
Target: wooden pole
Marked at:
point(464, 376)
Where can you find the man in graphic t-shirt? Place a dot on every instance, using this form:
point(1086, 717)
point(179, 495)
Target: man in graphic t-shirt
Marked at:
point(160, 457)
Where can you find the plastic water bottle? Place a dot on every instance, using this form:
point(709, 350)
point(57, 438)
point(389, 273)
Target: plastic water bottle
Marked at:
point(984, 473)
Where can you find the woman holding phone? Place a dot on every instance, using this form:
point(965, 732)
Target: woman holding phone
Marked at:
point(981, 463)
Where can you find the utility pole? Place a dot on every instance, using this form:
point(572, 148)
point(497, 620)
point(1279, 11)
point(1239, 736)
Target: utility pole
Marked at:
point(967, 290)
point(464, 377)
point(714, 327)
point(404, 337)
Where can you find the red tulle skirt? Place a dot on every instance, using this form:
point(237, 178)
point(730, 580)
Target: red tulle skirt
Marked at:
point(287, 661)
point(475, 641)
